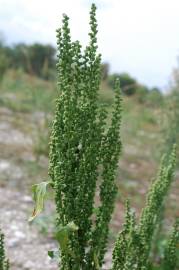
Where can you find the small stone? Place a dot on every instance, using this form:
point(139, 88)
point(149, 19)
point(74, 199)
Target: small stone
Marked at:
point(27, 199)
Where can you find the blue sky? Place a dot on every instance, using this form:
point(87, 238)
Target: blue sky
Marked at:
point(137, 36)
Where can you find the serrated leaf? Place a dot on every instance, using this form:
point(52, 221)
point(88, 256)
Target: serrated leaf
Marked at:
point(39, 194)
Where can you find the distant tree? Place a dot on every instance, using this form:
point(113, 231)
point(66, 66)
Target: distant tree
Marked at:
point(104, 71)
point(3, 65)
point(128, 84)
point(42, 59)
point(142, 92)
point(155, 97)
point(19, 57)
point(3, 58)
point(36, 59)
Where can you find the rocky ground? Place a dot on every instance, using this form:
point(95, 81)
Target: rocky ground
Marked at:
point(27, 248)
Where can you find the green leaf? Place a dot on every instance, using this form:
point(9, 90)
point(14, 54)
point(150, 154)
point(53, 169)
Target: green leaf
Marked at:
point(62, 235)
point(96, 261)
point(39, 194)
point(62, 238)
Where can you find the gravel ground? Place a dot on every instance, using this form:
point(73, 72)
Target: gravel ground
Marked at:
point(27, 248)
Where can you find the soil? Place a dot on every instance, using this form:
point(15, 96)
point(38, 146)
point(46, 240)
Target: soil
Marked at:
point(26, 247)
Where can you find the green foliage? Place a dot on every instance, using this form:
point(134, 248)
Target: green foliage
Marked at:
point(133, 246)
point(171, 123)
point(63, 235)
point(4, 262)
point(39, 195)
point(36, 59)
point(170, 258)
point(83, 152)
point(29, 94)
point(41, 59)
point(154, 97)
point(142, 93)
point(127, 83)
point(3, 63)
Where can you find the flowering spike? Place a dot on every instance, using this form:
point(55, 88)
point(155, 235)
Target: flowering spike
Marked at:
point(4, 263)
point(133, 246)
point(81, 144)
point(170, 258)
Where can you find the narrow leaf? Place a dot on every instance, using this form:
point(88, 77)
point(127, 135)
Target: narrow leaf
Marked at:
point(39, 194)
point(96, 261)
point(62, 235)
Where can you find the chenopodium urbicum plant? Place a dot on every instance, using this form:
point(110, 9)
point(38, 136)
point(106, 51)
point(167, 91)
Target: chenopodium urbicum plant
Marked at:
point(4, 262)
point(84, 153)
point(133, 248)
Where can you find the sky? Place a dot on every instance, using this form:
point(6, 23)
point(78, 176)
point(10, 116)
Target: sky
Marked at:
point(140, 37)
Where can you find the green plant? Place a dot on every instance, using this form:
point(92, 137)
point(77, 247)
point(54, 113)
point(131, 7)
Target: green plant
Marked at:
point(134, 244)
point(82, 151)
point(4, 262)
point(170, 255)
point(83, 161)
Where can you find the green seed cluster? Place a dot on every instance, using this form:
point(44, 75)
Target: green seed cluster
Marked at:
point(170, 258)
point(83, 151)
point(133, 246)
point(4, 263)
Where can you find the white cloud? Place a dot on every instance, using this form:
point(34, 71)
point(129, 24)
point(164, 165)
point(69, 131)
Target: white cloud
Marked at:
point(138, 36)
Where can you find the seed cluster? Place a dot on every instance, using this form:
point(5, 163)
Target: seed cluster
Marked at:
point(83, 151)
point(170, 258)
point(133, 246)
